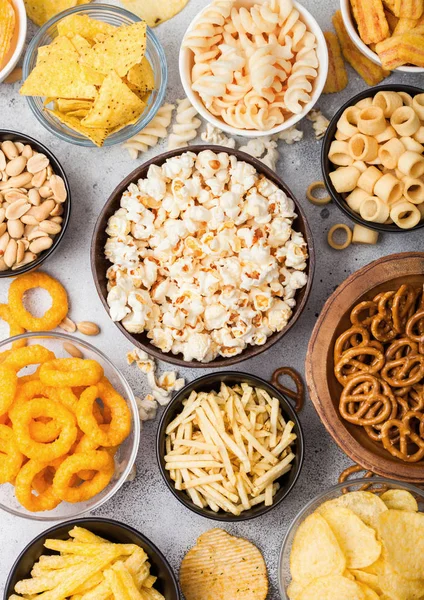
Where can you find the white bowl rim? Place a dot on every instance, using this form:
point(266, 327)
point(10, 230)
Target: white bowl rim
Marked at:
point(362, 47)
point(322, 52)
point(44, 516)
point(334, 488)
point(19, 7)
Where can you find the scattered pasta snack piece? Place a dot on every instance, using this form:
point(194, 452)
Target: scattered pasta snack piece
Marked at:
point(149, 136)
point(333, 243)
point(363, 235)
point(185, 128)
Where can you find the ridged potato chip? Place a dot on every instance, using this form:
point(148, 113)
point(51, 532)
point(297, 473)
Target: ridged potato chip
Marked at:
point(154, 12)
point(332, 587)
point(41, 11)
point(315, 551)
point(7, 28)
point(221, 566)
point(403, 536)
point(369, 594)
point(400, 500)
point(394, 585)
point(357, 541)
point(369, 579)
point(366, 505)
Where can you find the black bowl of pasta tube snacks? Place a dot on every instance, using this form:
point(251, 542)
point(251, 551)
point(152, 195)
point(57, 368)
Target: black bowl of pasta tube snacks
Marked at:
point(372, 158)
point(92, 555)
point(230, 446)
point(232, 278)
point(35, 203)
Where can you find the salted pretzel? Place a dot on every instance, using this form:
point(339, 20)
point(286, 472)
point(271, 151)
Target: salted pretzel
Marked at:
point(403, 302)
point(351, 338)
point(410, 445)
point(416, 322)
point(369, 307)
point(404, 371)
point(368, 405)
point(354, 357)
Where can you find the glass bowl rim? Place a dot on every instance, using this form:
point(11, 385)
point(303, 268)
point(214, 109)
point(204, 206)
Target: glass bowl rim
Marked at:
point(334, 488)
point(135, 430)
point(125, 133)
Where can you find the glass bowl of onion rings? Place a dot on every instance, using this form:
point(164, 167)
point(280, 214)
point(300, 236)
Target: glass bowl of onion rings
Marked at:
point(69, 428)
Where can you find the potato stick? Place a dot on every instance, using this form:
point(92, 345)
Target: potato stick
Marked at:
point(212, 505)
point(188, 458)
point(180, 431)
point(268, 495)
point(255, 408)
point(46, 581)
point(101, 592)
point(262, 434)
point(178, 451)
point(253, 417)
point(217, 412)
point(168, 445)
point(221, 500)
point(216, 423)
point(136, 561)
point(337, 78)
point(275, 407)
point(229, 409)
point(83, 535)
point(241, 413)
point(247, 395)
point(117, 586)
point(197, 481)
point(257, 445)
point(196, 444)
point(188, 465)
point(51, 562)
point(127, 581)
point(273, 474)
point(242, 456)
point(194, 495)
point(370, 72)
point(178, 480)
point(189, 408)
point(230, 495)
point(206, 424)
point(66, 546)
point(283, 444)
point(225, 392)
point(142, 574)
point(94, 581)
point(242, 493)
point(151, 594)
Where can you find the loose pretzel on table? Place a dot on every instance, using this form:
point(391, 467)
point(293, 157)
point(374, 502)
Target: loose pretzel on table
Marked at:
point(299, 394)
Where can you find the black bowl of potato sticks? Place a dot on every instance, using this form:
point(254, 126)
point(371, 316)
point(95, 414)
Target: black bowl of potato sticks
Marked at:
point(230, 446)
point(91, 556)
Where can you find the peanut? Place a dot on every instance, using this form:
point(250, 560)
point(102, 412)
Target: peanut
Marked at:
point(37, 163)
point(9, 149)
point(16, 166)
point(10, 253)
point(72, 350)
point(88, 328)
point(68, 325)
point(15, 228)
point(40, 244)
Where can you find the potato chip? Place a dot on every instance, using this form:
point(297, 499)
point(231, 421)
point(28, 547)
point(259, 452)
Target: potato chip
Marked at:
point(221, 566)
point(369, 594)
point(115, 105)
point(332, 587)
point(403, 536)
point(120, 51)
point(41, 11)
point(7, 28)
point(357, 541)
point(315, 551)
point(84, 26)
point(154, 12)
point(97, 136)
point(369, 579)
point(142, 76)
point(366, 505)
point(400, 500)
point(396, 586)
point(294, 590)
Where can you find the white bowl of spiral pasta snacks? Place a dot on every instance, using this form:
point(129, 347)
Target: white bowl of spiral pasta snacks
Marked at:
point(202, 257)
point(253, 67)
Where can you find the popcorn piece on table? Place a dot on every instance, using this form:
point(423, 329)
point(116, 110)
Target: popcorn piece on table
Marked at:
point(185, 128)
point(150, 135)
point(264, 148)
point(213, 135)
point(320, 123)
point(289, 136)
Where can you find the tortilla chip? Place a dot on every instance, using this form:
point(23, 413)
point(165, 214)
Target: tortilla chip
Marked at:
point(115, 104)
point(142, 77)
point(58, 74)
point(89, 75)
point(41, 11)
point(60, 47)
point(80, 113)
point(84, 26)
point(155, 12)
point(97, 136)
point(120, 51)
point(66, 105)
point(80, 44)
point(8, 22)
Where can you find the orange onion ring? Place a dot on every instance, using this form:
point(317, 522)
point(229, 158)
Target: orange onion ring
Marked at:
point(11, 457)
point(27, 480)
point(97, 460)
point(71, 372)
point(8, 387)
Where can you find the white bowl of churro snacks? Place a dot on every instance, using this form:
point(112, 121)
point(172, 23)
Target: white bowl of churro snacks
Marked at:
point(206, 257)
point(373, 158)
point(253, 68)
point(388, 32)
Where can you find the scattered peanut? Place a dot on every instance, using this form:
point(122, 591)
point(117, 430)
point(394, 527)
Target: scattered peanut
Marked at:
point(72, 350)
point(31, 204)
point(88, 328)
point(68, 325)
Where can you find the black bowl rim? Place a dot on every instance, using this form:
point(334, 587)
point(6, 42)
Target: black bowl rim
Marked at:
point(227, 517)
point(325, 162)
point(59, 170)
point(254, 350)
point(86, 521)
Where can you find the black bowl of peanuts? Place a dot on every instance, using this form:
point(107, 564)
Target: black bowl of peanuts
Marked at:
point(35, 203)
point(372, 160)
point(230, 446)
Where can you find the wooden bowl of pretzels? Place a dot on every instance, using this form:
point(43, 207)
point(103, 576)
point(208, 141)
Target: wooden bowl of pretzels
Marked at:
point(365, 366)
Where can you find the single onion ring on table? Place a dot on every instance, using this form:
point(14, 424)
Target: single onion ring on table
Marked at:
point(100, 461)
point(10, 456)
point(53, 316)
point(46, 499)
point(71, 372)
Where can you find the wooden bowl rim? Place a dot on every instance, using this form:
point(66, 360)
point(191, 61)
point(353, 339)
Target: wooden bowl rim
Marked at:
point(331, 421)
point(250, 351)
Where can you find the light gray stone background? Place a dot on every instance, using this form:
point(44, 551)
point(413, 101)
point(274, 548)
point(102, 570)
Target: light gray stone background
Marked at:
point(146, 503)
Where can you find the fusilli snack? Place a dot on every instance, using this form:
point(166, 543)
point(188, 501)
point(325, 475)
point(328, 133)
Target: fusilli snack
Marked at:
point(380, 158)
point(185, 127)
point(150, 135)
point(253, 67)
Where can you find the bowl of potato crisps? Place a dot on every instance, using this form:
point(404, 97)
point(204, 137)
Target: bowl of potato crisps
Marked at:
point(372, 158)
point(13, 28)
point(94, 75)
point(388, 32)
point(230, 446)
point(359, 542)
point(92, 556)
point(69, 426)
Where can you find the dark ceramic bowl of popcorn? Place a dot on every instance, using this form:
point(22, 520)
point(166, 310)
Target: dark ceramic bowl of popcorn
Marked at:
point(100, 264)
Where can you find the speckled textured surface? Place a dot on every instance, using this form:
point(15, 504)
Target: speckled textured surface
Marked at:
point(146, 503)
